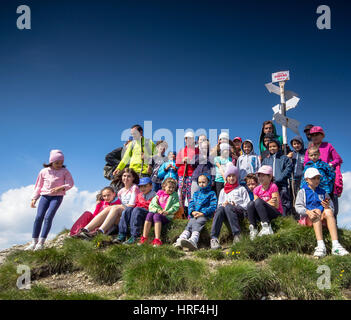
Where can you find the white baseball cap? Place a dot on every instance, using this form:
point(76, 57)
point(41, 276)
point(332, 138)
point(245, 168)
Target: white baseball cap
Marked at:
point(189, 134)
point(224, 135)
point(311, 173)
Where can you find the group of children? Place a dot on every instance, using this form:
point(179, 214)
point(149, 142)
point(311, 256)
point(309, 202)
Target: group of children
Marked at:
point(227, 183)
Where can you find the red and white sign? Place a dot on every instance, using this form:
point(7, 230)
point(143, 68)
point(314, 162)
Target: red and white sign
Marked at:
point(280, 76)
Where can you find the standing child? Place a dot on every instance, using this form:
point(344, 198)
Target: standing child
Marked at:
point(329, 155)
point(236, 151)
point(314, 206)
point(232, 204)
point(201, 208)
point(204, 164)
point(282, 168)
point(266, 205)
point(186, 163)
point(248, 162)
point(169, 169)
point(52, 183)
point(297, 157)
point(251, 183)
point(161, 210)
point(157, 161)
point(135, 216)
point(220, 163)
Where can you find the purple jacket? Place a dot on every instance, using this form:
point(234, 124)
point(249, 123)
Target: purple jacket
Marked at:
point(328, 155)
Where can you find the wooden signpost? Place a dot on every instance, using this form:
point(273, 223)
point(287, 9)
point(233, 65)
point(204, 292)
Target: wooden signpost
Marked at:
point(288, 100)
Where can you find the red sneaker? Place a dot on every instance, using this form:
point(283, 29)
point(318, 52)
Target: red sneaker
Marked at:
point(143, 240)
point(156, 242)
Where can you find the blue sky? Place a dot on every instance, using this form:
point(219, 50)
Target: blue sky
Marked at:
point(87, 70)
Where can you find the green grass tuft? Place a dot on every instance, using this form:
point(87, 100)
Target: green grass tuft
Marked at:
point(161, 275)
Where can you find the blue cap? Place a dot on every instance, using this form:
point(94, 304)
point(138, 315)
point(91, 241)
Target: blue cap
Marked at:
point(144, 181)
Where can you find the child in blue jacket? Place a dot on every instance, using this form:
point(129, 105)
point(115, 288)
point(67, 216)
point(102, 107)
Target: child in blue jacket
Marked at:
point(169, 169)
point(201, 208)
point(326, 171)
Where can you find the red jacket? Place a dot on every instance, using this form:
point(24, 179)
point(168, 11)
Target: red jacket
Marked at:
point(141, 202)
point(103, 204)
point(190, 153)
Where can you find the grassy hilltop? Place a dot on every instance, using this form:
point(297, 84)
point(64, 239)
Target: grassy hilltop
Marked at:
point(280, 266)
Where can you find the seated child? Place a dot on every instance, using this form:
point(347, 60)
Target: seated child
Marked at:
point(201, 208)
point(232, 203)
point(161, 210)
point(327, 172)
point(282, 168)
point(135, 216)
point(248, 162)
point(105, 198)
point(314, 206)
point(251, 183)
point(266, 205)
point(169, 169)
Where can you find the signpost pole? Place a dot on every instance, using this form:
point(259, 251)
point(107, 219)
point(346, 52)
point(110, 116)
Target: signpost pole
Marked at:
point(283, 113)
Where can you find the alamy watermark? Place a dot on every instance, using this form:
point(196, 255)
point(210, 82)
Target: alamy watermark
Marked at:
point(323, 281)
point(23, 281)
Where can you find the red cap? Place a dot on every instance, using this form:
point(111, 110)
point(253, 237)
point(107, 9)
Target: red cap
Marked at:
point(237, 138)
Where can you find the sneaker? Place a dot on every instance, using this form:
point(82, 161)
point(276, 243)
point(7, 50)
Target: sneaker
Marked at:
point(119, 239)
point(84, 234)
point(156, 242)
point(39, 246)
point(339, 250)
point(143, 240)
point(320, 252)
point(188, 243)
point(253, 232)
point(265, 229)
point(215, 244)
point(177, 244)
point(237, 238)
point(131, 240)
point(95, 233)
point(30, 247)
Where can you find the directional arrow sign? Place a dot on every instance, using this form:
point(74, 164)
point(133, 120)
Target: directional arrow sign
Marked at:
point(288, 122)
point(275, 89)
point(290, 104)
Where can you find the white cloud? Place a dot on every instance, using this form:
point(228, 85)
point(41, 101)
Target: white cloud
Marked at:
point(17, 217)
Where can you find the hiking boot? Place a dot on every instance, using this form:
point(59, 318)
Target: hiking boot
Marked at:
point(39, 246)
point(131, 240)
point(177, 244)
point(320, 252)
point(143, 240)
point(237, 238)
point(253, 232)
point(156, 242)
point(119, 239)
point(339, 250)
point(188, 243)
point(215, 244)
point(265, 229)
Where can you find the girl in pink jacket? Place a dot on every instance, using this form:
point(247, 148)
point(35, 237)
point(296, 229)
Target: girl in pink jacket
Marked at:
point(329, 155)
point(52, 183)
